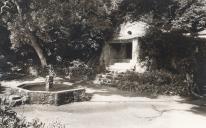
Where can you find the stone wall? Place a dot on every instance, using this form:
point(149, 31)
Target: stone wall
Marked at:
point(53, 98)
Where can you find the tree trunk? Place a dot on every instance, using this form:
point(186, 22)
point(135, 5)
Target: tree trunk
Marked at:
point(39, 51)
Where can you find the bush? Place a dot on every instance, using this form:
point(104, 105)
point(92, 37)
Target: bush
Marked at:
point(172, 51)
point(75, 70)
point(78, 70)
point(152, 83)
point(10, 119)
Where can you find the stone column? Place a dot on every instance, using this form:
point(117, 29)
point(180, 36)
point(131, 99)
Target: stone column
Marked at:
point(135, 50)
point(49, 82)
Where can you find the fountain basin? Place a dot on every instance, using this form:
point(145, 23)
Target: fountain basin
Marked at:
point(59, 95)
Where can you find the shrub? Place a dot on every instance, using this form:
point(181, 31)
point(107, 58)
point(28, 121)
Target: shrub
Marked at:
point(79, 70)
point(10, 119)
point(75, 70)
point(152, 83)
point(172, 51)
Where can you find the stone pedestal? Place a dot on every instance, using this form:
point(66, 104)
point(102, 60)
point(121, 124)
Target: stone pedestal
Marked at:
point(49, 82)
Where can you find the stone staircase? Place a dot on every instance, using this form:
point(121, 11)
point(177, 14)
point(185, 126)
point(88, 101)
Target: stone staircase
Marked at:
point(117, 71)
point(121, 67)
point(124, 67)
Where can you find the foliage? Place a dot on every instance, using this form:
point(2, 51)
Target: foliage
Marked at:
point(71, 23)
point(165, 45)
point(79, 70)
point(187, 16)
point(5, 53)
point(154, 83)
point(171, 51)
point(74, 70)
point(10, 119)
point(56, 124)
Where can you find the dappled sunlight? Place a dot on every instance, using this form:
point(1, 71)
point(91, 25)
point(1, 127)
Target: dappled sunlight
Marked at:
point(91, 90)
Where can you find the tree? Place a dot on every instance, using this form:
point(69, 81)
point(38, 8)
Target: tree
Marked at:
point(165, 45)
point(184, 16)
point(25, 21)
point(190, 16)
point(37, 22)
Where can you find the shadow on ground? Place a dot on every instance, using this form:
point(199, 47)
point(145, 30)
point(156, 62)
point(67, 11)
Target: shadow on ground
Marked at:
point(107, 93)
point(105, 90)
point(199, 105)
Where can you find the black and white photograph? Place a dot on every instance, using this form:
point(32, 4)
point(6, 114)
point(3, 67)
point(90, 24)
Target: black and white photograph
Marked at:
point(102, 63)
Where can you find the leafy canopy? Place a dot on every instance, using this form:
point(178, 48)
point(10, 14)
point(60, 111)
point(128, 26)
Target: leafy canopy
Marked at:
point(169, 15)
point(73, 23)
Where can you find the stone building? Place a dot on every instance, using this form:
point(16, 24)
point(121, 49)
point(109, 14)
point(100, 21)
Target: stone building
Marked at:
point(122, 53)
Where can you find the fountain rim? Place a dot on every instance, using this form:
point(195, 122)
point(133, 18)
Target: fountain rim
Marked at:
point(53, 92)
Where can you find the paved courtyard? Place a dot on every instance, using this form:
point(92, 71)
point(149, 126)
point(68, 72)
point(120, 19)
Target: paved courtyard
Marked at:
point(111, 108)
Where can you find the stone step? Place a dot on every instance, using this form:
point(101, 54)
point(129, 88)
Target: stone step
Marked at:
point(124, 67)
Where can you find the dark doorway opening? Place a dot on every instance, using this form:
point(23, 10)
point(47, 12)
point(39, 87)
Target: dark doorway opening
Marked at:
point(121, 50)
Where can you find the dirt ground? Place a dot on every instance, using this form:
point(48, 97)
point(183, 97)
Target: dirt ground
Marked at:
point(112, 108)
